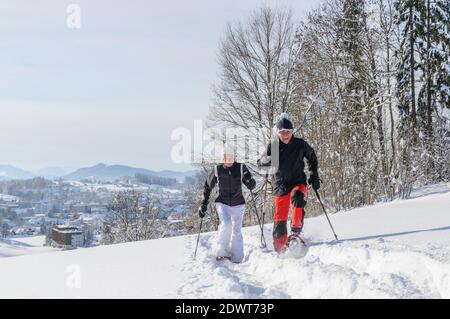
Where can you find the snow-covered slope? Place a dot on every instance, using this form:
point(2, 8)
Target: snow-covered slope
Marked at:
point(393, 250)
point(26, 245)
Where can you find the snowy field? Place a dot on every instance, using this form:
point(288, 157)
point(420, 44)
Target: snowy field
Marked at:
point(18, 246)
point(392, 250)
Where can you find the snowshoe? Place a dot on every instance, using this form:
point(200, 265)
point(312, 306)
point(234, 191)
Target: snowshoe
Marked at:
point(295, 239)
point(296, 246)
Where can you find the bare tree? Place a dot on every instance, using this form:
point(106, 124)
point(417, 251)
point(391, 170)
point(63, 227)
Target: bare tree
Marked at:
point(256, 60)
point(341, 62)
point(133, 217)
point(390, 41)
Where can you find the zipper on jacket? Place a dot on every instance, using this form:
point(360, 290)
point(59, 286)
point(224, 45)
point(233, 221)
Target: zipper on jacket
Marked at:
point(229, 186)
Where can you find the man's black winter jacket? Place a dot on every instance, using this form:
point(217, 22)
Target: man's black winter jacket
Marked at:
point(291, 166)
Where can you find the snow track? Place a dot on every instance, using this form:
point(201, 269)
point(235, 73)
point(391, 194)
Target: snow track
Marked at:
point(374, 268)
point(385, 253)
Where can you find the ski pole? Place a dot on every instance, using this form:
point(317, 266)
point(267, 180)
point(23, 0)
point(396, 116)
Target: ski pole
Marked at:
point(323, 207)
point(306, 113)
point(265, 197)
point(198, 237)
point(261, 225)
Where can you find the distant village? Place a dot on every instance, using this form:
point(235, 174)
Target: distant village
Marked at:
point(70, 213)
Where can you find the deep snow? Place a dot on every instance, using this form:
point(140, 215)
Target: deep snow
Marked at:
point(391, 250)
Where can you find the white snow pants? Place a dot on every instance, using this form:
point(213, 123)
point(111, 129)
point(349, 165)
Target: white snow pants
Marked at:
point(230, 238)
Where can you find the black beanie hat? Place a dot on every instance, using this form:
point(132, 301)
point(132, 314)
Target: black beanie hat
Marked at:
point(284, 123)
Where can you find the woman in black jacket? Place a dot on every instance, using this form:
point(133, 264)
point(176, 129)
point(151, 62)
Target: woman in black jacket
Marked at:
point(230, 204)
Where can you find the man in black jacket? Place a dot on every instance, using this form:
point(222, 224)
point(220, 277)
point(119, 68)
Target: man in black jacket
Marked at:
point(230, 204)
point(289, 180)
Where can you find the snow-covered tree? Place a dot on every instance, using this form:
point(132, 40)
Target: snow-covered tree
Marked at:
point(422, 89)
point(434, 95)
point(369, 84)
point(256, 60)
point(340, 64)
point(408, 20)
point(133, 217)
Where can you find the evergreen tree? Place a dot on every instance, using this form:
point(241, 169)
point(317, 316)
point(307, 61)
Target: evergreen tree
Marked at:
point(440, 15)
point(408, 20)
point(434, 94)
point(359, 99)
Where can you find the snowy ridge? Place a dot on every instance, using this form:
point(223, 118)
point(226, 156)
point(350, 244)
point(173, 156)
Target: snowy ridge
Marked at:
point(391, 250)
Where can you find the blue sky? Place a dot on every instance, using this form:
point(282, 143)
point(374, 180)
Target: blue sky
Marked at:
point(113, 90)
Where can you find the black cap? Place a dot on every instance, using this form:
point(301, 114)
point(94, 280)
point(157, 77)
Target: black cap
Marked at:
point(284, 124)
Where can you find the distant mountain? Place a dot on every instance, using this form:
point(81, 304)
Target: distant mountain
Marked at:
point(106, 173)
point(51, 172)
point(102, 172)
point(8, 172)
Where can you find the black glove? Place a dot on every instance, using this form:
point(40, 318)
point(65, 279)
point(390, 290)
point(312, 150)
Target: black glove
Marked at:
point(314, 181)
point(251, 184)
point(202, 210)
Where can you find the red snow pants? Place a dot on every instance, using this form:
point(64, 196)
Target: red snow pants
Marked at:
point(296, 197)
